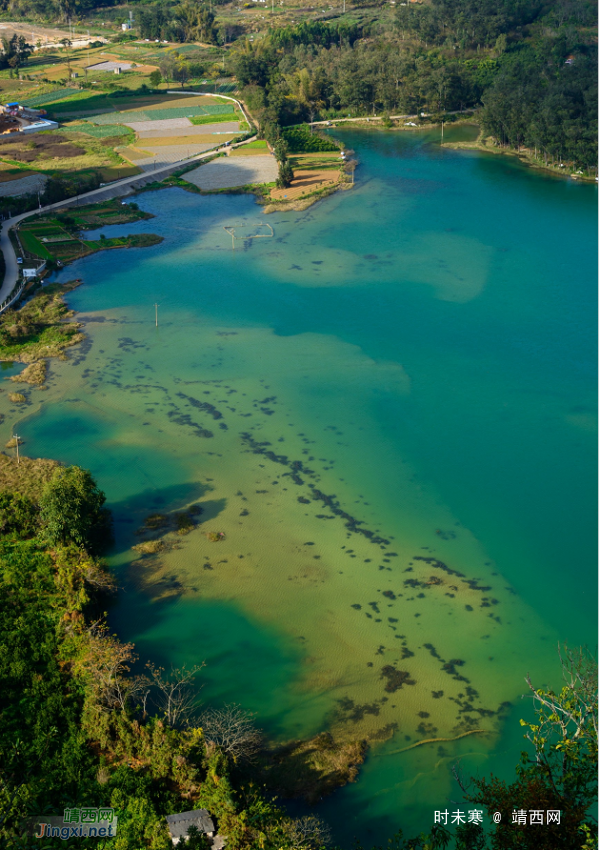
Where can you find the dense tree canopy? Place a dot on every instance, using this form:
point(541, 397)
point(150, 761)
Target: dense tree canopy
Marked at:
point(72, 511)
point(530, 68)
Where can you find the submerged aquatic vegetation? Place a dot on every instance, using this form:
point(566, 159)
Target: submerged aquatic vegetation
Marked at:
point(215, 536)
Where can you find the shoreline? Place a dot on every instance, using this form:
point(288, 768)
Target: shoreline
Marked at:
point(525, 156)
point(391, 683)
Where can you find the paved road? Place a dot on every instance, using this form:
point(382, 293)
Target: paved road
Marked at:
point(369, 118)
point(111, 190)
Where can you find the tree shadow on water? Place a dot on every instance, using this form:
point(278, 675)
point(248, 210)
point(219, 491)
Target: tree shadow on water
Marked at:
point(147, 592)
point(131, 513)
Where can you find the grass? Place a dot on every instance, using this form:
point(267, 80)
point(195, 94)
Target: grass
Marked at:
point(315, 163)
point(252, 149)
point(94, 153)
point(105, 212)
point(116, 172)
point(198, 120)
point(162, 114)
point(49, 97)
point(65, 227)
point(82, 102)
point(34, 374)
point(257, 144)
point(99, 131)
point(32, 244)
point(27, 477)
point(136, 240)
point(38, 329)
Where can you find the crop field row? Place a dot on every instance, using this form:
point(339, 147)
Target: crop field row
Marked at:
point(49, 97)
point(162, 114)
point(98, 131)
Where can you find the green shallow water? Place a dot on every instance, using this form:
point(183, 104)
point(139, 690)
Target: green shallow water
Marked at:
point(425, 346)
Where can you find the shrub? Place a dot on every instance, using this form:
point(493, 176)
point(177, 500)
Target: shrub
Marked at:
point(301, 140)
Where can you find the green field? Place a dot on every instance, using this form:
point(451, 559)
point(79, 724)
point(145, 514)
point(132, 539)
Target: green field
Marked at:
point(212, 110)
point(198, 120)
point(32, 244)
point(50, 97)
point(98, 131)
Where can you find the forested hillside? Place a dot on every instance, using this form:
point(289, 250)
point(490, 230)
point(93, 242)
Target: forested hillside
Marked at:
point(531, 69)
point(528, 66)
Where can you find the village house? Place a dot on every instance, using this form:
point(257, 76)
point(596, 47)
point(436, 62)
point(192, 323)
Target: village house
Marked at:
point(201, 819)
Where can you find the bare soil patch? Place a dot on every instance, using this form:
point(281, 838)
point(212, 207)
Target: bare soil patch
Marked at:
point(229, 172)
point(183, 141)
point(305, 182)
point(32, 149)
point(8, 174)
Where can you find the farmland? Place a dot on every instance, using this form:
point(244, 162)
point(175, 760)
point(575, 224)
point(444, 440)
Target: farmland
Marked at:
point(60, 238)
point(108, 135)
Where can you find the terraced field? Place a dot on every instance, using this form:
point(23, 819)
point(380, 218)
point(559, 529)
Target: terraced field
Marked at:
point(168, 128)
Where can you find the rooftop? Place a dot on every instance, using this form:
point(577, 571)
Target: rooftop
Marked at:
point(179, 824)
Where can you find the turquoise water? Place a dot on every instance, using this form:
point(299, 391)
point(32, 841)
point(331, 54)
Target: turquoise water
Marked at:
point(430, 341)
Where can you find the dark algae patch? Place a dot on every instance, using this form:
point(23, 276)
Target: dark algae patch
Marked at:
point(395, 679)
point(296, 468)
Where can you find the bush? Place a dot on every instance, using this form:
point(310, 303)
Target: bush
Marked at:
point(18, 515)
point(301, 140)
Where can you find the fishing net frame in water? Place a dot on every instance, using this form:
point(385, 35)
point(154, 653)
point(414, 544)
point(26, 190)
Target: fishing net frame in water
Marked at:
point(230, 228)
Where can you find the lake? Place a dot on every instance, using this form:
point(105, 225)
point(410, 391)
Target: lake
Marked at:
point(388, 407)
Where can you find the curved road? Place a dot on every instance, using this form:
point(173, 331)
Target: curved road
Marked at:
point(111, 190)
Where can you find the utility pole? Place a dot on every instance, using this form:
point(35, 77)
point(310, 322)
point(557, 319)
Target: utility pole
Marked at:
point(156, 306)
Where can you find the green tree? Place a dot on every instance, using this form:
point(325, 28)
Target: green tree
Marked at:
point(182, 71)
point(72, 511)
point(285, 176)
point(562, 773)
point(18, 515)
point(280, 149)
point(155, 79)
point(14, 52)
